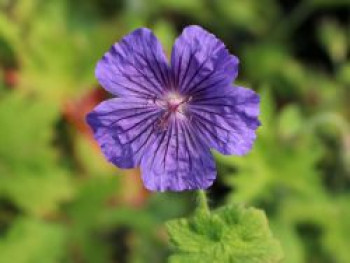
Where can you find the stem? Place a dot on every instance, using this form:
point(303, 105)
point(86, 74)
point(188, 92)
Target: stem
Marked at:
point(202, 202)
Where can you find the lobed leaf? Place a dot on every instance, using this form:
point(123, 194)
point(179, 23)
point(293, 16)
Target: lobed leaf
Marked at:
point(229, 234)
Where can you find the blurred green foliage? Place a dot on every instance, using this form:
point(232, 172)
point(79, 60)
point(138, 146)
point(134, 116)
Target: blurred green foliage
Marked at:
point(61, 202)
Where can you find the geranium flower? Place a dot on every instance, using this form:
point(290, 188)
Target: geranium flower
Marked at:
point(166, 118)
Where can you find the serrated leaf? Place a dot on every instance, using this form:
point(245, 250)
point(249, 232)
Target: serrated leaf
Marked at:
point(229, 234)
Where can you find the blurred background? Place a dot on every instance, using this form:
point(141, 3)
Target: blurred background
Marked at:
point(60, 201)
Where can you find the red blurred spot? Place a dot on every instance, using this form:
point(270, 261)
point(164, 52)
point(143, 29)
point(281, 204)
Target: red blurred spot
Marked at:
point(11, 77)
point(75, 110)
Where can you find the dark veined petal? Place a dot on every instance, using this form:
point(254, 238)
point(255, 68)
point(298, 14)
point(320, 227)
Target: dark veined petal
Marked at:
point(136, 66)
point(227, 120)
point(178, 160)
point(200, 61)
point(123, 128)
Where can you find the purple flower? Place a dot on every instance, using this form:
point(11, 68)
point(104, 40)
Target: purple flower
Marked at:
point(166, 117)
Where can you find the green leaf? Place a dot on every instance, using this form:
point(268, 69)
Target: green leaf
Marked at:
point(249, 15)
point(290, 122)
point(291, 242)
point(32, 241)
point(331, 214)
point(166, 34)
point(90, 205)
point(229, 234)
point(48, 68)
point(37, 194)
point(194, 7)
point(269, 57)
point(333, 38)
point(26, 131)
point(282, 161)
point(343, 74)
point(29, 173)
point(337, 236)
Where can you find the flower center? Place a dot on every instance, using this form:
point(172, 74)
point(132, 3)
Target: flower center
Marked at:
point(173, 104)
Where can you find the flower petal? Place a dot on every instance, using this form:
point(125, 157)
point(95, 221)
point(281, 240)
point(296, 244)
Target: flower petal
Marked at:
point(136, 66)
point(227, 121)
point(200, 61)
point(178, 160)
point(124, 128)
